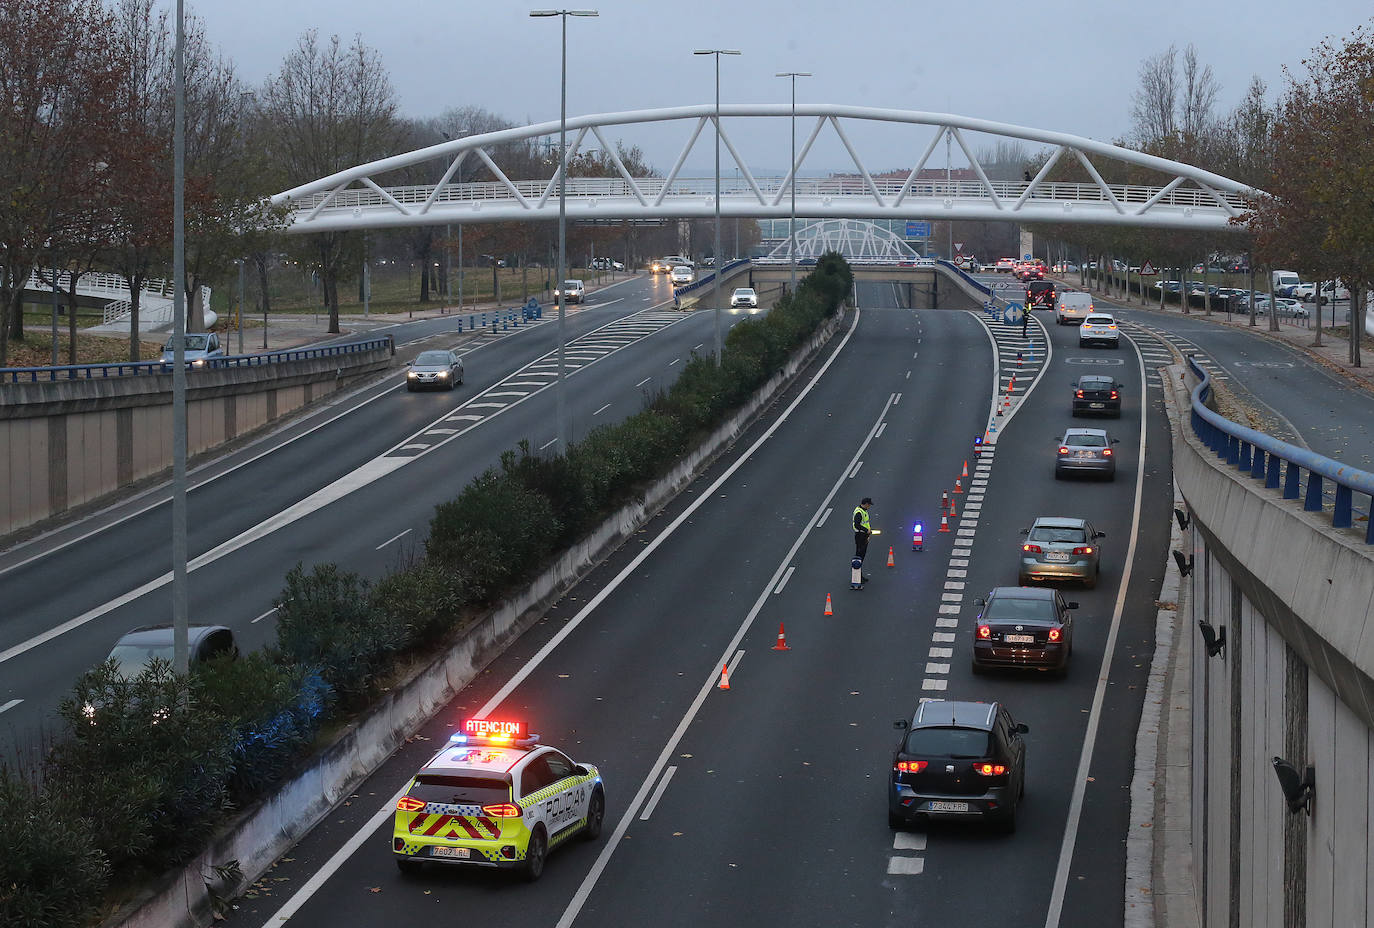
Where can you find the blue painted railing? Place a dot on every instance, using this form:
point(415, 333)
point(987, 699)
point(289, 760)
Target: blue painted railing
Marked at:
point(133, 369)
point(679, 291)
point(1298, 472)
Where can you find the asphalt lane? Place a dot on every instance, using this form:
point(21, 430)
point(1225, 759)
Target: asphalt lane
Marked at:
point(122, 557)
point(777, 801)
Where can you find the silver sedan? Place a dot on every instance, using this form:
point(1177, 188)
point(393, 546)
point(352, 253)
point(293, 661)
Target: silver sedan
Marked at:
point(441, 369)
point(1060, 548)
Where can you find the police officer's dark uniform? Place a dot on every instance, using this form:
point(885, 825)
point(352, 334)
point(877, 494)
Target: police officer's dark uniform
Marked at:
point(862, 531)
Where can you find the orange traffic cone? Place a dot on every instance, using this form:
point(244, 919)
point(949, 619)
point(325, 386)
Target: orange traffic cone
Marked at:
point(965, 473)
point(944, 500)
point(828, 610)
point(952, 513)
point(724, 683)
point(891, 559)
point(782, 640)
point(958, 485)
point(944, 523)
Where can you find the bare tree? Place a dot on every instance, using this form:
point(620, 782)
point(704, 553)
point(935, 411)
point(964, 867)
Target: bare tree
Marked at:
point(1154, 102)
point(1200, 89)
point(58, 68)
point(330, 108)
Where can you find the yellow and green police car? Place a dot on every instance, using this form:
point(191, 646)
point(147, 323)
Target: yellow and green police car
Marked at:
point(494, 797)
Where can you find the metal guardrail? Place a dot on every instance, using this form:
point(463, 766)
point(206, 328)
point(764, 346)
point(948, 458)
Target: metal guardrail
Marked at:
point(696, 285)
point(1297, 471)
point(143, 368)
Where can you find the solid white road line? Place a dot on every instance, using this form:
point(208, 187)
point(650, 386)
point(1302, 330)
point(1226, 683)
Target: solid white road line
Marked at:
point(825, 515)
point(388, 809)
point(1080, 783)
point(391, 539)
point(602, 409)
point(855, 472)
point(644, 381)
point(547, 443)
point(263, 616)
point(10, 705)
point(658, 794)
point(882, 428)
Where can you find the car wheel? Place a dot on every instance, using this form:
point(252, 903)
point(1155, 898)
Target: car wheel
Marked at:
point(535, 853)
point(408, 867)
point(895, 821)
point(451, 385)
point(410, 388)
point(1006, 822)
point(1091, 582)
point(596, 816)
point(1082, 344)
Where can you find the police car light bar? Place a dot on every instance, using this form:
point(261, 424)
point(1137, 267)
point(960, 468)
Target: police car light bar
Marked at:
point(493, 731)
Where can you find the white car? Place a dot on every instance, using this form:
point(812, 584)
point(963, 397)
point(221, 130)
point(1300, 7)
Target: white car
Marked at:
point(1071, 305)
point(572, 291)
point(744, 296)
point(681, 275)
point(1099, 328)
point(199, 348)
point(1286, 306)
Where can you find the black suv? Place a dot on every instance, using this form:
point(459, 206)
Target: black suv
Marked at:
point(958, 760)
point(1094, 394)
point(1041, 294)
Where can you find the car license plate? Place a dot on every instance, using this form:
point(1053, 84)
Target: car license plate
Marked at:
point(1019, 639)
point(949, 806)
point(1056, 556)
point(461, 852)
point(1086, 454)
point(1095, 405)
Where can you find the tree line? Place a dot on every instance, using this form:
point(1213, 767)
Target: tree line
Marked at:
point(86, 155)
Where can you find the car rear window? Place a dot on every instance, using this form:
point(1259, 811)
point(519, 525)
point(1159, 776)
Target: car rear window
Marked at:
point(1010, 608)
point(948, 742)
point(460, 790)
point(1094, 383)
point(1052, 533)
point(1100, 320)
point(1085, 440)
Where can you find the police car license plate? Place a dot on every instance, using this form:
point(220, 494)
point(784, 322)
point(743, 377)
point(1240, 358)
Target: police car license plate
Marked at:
point(1094, 405)
point(461, 852)
point(1019, 639)
point(1056, 556)
point(938, 806)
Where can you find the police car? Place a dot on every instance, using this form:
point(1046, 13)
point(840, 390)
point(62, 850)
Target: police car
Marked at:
point(494, 797)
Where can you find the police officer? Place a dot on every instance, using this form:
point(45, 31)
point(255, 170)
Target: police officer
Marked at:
point(1025, 319)
point(862, 531)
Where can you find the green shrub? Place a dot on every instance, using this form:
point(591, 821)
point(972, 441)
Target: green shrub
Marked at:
point(425, 597)
point(52, 875)
point(144, 758)
point(497, 531)
point(327, 620)
point(274, 710)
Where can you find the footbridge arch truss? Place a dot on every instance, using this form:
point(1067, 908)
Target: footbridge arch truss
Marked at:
point(1183, 196)
point(859, 241)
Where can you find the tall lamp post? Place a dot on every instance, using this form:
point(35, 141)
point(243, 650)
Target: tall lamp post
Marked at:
point(720, 265)
point(180, 627)
point(559, 402)
point(792, 217)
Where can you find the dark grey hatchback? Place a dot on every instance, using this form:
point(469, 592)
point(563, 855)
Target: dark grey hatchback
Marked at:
point(958, 760)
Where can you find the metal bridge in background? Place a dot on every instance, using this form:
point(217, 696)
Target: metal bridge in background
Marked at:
point(859, 241)
point(1184, 197)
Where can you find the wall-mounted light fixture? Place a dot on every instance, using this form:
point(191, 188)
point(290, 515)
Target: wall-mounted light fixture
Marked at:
point(1212, 639)
point(1185, 565)
point(1298, 789)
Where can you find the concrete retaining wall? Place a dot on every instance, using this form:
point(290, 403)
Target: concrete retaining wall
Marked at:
point(69, 442)
point(271, 826)
point(1294, 680)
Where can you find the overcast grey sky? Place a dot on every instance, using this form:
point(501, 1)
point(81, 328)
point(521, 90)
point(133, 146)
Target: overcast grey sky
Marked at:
point(1069, 66)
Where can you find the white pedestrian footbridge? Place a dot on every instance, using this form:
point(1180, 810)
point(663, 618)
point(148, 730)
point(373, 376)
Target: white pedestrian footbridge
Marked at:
point(112, 291)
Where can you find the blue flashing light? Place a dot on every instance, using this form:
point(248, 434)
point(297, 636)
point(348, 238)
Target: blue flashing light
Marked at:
point(457, 738)
point(917, 529)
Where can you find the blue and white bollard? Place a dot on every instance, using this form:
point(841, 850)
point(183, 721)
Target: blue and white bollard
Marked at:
point(856, 574)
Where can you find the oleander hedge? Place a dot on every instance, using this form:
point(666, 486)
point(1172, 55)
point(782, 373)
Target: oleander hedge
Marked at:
point(146, 768)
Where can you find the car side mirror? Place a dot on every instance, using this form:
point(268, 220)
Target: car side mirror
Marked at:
point(980, 602)
point(1025, 531)
point(582, 771)
point(1071, 605)
point(1021, 728)
point(1116, 441)
point(1099, 534)
point(900, 724)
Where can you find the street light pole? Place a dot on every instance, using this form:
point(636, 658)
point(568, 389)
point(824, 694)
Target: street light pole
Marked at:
point(792, 216)
point(720, 265)
point(180, 629)
point(560, 402)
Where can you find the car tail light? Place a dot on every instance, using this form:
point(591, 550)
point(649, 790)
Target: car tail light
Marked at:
point(910, 766)
point(409, 804)
point(1086, 549)
point(989, 770)
point(1032, 549)
point(985, 632)
point(503, 810)
point(1054, 634)
point(1115, 395)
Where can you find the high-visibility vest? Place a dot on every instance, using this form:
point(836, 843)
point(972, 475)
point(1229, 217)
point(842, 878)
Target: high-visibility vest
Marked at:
point(861, 514)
